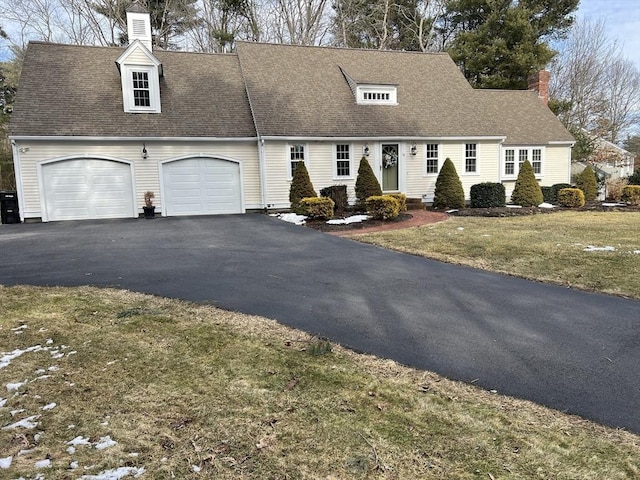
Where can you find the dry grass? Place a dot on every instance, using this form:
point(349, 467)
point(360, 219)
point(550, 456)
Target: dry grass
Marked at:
point(181, 387)
point(549, 248)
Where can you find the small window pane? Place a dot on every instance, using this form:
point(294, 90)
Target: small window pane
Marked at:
point(509, 162)
point(522, 156)
point(343, 165)
point(536, 159)
point(432, 157)
point(296, 154)
point(470, 164)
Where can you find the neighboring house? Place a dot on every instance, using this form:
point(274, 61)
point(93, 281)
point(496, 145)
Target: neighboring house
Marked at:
point(93, 128)
point(612, 160)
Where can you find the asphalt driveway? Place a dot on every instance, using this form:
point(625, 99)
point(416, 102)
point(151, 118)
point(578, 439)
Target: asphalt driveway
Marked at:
point(570, 350)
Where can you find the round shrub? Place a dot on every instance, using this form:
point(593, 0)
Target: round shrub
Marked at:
point(316, 207)
point(487, 195)
point(571, 197)
point(588, 183)
point(449, 192)
point(556, 189)
point(383, 207)
point(402, 200)
point(337, 193)
point(367, 184)
point(527, 192)
point(301, 186)
point(631, 194)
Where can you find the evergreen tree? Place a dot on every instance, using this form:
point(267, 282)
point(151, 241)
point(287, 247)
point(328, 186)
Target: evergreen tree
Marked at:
point(588, 183)
point(449, 192)
point(527, 191)
point(367, 184)
point(301, 186)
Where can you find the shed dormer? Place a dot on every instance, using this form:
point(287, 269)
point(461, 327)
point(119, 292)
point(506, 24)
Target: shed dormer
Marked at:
point(371, 93)
point(140, 70)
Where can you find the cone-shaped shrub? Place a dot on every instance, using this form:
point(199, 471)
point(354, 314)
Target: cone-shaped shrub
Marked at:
point(367, 184)
point(588, 183)
point(449, 191)
point(301, 186)
point(527, 192)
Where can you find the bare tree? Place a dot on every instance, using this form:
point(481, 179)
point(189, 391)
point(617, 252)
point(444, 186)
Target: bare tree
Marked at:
point(301, 22)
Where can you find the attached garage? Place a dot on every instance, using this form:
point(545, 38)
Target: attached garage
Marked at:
point(87, 188)
point(201, 186)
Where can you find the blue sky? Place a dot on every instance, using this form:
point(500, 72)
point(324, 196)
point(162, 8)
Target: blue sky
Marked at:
point(622, 19)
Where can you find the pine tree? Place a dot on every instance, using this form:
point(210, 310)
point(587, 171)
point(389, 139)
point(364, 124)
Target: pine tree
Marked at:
point(588, 183)
point(301, 186)
point(367, 184)
point(527, 191)
point(449, 191)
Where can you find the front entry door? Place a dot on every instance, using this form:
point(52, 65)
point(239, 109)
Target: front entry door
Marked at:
point(390, 157)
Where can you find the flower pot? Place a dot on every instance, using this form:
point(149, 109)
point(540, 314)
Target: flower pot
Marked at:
point(149, 212)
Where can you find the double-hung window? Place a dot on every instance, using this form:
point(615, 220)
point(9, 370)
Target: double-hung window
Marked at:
point(471, 158)
point(296, 154)
point(432, 158)
point(343, 160)
point(141, 89)
point(536, 160)
point(511, 168)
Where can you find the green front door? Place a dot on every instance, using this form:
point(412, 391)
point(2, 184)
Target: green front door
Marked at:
point(390, 157)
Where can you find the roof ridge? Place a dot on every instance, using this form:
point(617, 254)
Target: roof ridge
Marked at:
point(334, 47)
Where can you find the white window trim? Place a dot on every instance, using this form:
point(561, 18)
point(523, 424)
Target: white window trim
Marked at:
point(335, 162)
point(516, 167)
point(127, 88)
point(390, 89)
point(288, 157)
point(463, 170)
point(424, 170)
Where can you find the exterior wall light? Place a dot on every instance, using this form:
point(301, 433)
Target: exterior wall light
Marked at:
point(145, 154)
point(365, 150)
point(414, 149)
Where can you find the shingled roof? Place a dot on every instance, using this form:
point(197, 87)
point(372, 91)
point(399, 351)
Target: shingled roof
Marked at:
point(76, 90)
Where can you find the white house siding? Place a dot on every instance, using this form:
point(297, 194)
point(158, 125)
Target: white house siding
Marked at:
point(146, 171)
point(138, 57)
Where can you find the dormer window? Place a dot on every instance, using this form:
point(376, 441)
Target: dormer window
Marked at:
point(140, 88)
point(377, 95)
point(141, 91)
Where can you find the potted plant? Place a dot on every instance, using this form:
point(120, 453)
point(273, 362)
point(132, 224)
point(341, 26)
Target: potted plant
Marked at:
point(149, 208)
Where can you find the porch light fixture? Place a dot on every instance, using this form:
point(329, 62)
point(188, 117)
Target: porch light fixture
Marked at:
point(144, 151)
point(365, 150)
point(414, 149)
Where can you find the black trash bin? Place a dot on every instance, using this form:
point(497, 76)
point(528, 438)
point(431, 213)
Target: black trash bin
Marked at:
point(9, 212)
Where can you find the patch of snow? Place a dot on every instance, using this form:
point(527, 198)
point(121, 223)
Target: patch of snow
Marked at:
point(73, 465)
point(14, 386)
point(49, 341)
point(105, 442)
point(134, 454)
point(546, 205)
point(115, 474)
point(6, 358)
point(292, 218)
point(635, 251)
point(2, 402)
point(6, 462)
point(70, 427)
point(614, 204)
point(195, 468)
point(57, 355)
point(21, 327)
point(41, 377)
point(460, 228)
point(591, 248)
point(54, 368)
point(72, 352)
point(71, 450)
point(46, 463)
point(452, 211)
point(39, 371)
point(25, 452)
point(79, 440)
point(27, 423)
point(514, 206)
point(349, 220)
point(15, 412)
point(49, 406)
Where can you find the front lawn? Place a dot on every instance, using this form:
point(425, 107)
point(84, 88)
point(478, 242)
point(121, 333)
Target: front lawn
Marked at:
point(597, 251)
point(106, 384)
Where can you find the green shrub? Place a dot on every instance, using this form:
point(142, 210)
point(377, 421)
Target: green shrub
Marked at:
point(634, 178)
point(571, 197)
point(367, 184)
point(547, 194)
point(527, 192)
point(382, 207)
point(631, 194)
point(449, 192)
point(487, 195)
point(337, 193)
point(556, 189)
point(316, 207)
point(588, 183)
point(301, 186)
point(402, 200)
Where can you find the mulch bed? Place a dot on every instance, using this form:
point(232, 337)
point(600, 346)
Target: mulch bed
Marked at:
point(323, 226)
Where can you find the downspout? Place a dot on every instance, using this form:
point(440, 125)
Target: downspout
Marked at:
point(263, 172)
point(17, 170)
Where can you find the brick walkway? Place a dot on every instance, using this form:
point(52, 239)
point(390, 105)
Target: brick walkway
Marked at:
point(419, 217)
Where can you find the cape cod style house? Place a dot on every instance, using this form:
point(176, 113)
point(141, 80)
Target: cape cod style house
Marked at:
point(94, 128)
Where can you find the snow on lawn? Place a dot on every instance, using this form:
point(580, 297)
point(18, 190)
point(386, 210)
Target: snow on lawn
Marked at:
point(291, 218)
point(31, 422)
point(348, 220)
point(591, 248)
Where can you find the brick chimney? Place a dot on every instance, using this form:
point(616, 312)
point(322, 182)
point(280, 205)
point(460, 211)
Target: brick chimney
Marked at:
point(540, 83)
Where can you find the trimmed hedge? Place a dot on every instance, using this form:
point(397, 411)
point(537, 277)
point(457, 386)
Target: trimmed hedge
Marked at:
point(527, 192)
point(547, 194)
point(301, 186)
point(383, 207)
point(571, 197)
point(588, 183)
point(449, 192)
point(337, 193)
point(367, 184)
point(487, 195)
point(631, 194)
point(402, 200)
point(556, 190)
point(316, 207)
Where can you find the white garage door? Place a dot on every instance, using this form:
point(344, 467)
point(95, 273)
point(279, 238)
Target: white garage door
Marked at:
point(201, 186)
point(87, 188)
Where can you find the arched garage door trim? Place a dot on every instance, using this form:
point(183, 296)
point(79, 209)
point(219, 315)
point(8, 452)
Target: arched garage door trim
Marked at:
point(167, 209)
point(131, 211)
